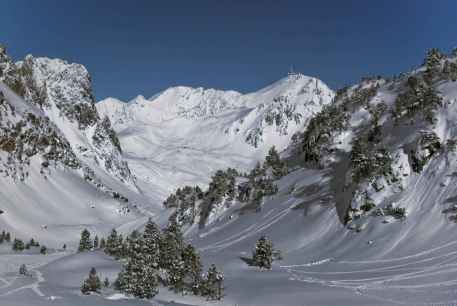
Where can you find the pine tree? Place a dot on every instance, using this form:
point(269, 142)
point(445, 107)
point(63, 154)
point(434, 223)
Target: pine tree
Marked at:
point(112, 243)
point(274, 161)
point(106, 282)
point(137, 277)
point(8, 237)
point(263, 253)
point(213, 284)
point(92, 283)
point(85, 243)
point(152, 237)
point(43, 250)
point(23, 270)
point(18, 245)
point(192, 269)
point(96, 243)
point(432, 63)
point(170, 255)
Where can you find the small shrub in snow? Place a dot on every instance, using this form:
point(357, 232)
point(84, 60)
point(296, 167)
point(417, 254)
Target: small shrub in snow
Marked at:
point(396, 212)
point(23, 270)
point(18, 245)
point(367, 206)
point(43, 250)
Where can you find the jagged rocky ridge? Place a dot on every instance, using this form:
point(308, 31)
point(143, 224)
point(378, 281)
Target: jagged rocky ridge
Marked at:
point(61, 93)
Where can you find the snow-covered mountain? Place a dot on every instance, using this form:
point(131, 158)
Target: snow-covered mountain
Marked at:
point(182, 135)
point(61, 163)
point(365, 215)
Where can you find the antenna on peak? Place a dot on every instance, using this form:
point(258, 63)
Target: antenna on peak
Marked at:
point(291, 71)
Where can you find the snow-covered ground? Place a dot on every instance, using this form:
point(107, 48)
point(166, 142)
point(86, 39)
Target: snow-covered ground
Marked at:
point(410, 262)
point(183, 135)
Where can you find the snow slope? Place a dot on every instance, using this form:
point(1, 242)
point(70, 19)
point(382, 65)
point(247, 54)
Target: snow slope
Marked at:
point(333, 252)
point(183, 135)
point(61, 169)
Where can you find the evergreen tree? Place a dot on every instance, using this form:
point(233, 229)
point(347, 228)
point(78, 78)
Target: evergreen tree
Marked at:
point(152, 237)
point(213, 286)
point(112, 244)
point(92, 283)
point(170, 255)
point(8, 237)
point(96, 243)
point(192, 269)
point(85, 243)
point(432, 63)
point(2, 237)
point(137, 277)
point(274, 161)
point(43, 250)
point(263, 253)
point(18, 245)
point(257, 171)
point(106, 282)
point(32, 243)
point(23, 270)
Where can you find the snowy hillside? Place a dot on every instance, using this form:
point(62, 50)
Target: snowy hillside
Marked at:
point(183, 135)
point(61, 164)
point(362, 206)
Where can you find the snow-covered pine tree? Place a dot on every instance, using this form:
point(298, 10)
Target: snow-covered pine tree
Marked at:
point(92, 283)
point(152, 237)
point(213, 287)
point(192, 269)
point(432, 63)
point(96, 242)
point(85, 243)
point(273, 160)
point(137, 277)
point(112, 244)
point(263, 253)
point(18, 245)
point(170, 256)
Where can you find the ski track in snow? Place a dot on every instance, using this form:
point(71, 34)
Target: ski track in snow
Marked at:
point(399, 276)
point(35, 286)
point(250, 230)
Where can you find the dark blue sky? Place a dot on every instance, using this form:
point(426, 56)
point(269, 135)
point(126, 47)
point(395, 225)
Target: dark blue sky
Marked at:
point(142, 47)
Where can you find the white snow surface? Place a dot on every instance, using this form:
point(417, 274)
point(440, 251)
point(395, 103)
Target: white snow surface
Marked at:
point(183, 135)
point(169, 143)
